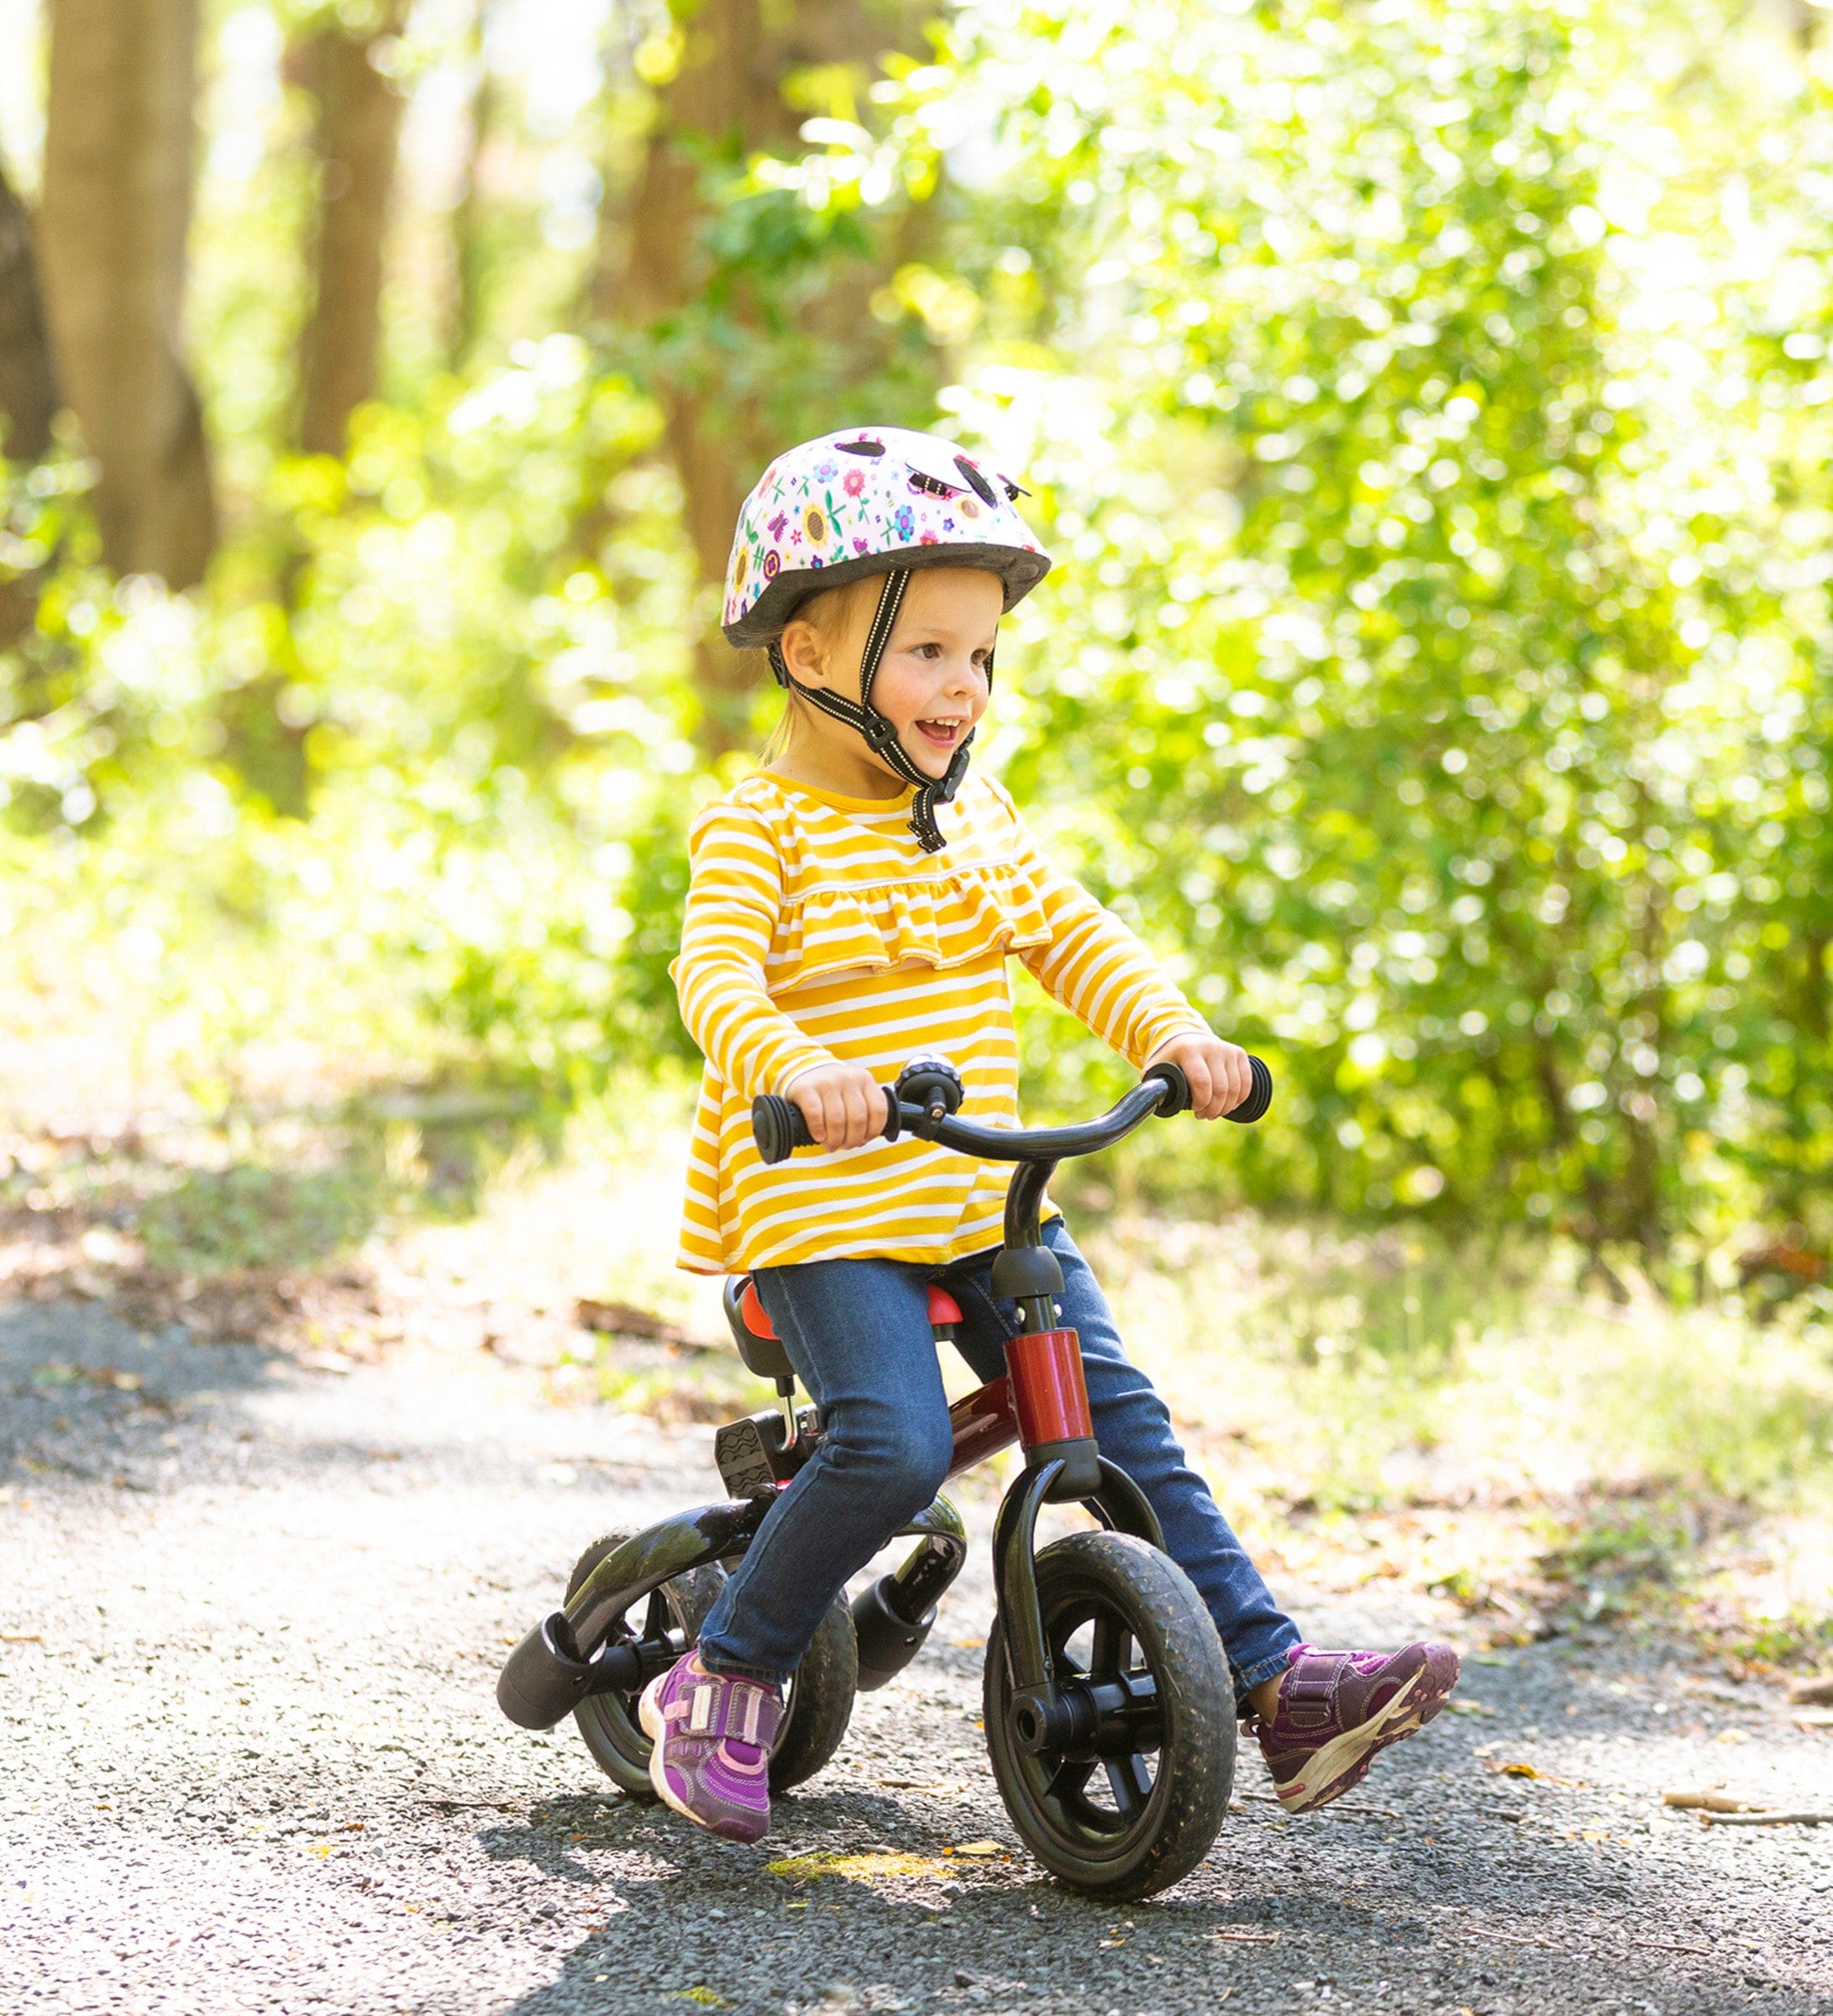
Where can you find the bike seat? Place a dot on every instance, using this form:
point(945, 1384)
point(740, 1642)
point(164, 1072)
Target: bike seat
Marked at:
point(762, 1349)
point(753, 1332)
point(945, 1317)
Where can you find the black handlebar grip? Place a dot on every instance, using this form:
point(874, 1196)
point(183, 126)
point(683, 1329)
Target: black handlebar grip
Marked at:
point(1259, 1095)
point(1177, 1099)
point(778, 1127)
point(1251, 1109)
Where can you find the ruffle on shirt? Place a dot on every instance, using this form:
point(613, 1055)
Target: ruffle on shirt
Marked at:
point(948, 919)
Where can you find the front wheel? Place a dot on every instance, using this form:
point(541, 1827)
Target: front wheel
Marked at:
point(1135, 1802)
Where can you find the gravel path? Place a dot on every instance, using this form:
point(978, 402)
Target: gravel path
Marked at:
point(250, 1761)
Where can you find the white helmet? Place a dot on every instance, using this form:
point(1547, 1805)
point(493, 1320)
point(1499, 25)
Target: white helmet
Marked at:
point(866, 502)
point(874, 499)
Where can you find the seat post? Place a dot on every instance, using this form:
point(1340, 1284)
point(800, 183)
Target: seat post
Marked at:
point(786, 1399)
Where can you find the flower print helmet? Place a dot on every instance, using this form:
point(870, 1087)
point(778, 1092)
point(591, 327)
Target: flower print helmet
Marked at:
point(873, 501)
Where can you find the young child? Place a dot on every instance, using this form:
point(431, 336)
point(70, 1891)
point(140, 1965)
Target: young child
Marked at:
point(852, 905)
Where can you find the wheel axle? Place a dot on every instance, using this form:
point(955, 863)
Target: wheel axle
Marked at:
point(1091, 1718)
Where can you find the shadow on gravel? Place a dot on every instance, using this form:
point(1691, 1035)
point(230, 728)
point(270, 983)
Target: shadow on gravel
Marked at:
point(81, 1391)
point(86, 1397)
point(888, 1924)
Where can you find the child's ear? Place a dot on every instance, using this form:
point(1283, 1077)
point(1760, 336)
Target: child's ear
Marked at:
point(805, 654)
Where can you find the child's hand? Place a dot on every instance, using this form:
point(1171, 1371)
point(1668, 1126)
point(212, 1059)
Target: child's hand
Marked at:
point(843, 1105)
point(1220, 1079)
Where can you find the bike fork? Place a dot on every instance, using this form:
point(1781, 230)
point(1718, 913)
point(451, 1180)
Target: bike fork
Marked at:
point(1051, 1401)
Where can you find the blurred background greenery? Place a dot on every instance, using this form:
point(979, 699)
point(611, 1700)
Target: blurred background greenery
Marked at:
point(1428, 405)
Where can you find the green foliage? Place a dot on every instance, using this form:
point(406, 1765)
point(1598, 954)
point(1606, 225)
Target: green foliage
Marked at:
point(1468, 661)
point(248, 1216)
point(1428, 406)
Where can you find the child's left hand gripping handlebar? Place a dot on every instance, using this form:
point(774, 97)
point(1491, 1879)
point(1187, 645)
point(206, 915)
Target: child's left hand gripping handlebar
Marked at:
point(778, 1128)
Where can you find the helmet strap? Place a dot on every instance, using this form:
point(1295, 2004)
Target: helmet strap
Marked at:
point(881, 735)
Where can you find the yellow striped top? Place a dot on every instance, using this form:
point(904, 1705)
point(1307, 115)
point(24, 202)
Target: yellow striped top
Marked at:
point(817, 930)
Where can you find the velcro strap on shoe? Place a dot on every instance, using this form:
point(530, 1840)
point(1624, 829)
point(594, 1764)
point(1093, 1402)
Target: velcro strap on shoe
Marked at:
point(1308, 1693)
point(1314, 1676)
point(738, 1710)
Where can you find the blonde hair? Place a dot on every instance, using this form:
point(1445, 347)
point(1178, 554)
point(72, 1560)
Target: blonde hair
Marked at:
point(834, 614)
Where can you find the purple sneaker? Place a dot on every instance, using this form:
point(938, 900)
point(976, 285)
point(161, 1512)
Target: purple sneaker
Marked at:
point(1337, 1710)
point(712, 1736)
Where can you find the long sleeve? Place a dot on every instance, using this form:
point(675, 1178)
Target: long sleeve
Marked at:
point(734, 898)
point(1099, 968)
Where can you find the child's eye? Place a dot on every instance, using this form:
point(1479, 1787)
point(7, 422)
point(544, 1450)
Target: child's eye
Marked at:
point(929, 650)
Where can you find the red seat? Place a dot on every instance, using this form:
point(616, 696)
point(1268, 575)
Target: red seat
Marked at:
point(944, 1311)
point(753, 1310)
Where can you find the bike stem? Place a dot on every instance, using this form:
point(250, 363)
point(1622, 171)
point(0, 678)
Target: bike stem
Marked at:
point(1050, 1393)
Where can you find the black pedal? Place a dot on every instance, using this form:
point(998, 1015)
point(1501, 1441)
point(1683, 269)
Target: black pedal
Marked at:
point(750, 1453)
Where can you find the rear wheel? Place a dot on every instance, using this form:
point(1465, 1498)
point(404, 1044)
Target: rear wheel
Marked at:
point(608, 1722)
point(818, 1706)
point(820, 1703)
point(1134, 1801)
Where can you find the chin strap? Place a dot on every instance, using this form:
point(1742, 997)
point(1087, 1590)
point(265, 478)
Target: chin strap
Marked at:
point(881, 735)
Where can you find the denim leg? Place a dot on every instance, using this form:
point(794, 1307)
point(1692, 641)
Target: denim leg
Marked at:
point(1132, 1426)
point(857, 1333)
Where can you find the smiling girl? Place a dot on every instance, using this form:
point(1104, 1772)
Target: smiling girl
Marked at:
point(852, 905)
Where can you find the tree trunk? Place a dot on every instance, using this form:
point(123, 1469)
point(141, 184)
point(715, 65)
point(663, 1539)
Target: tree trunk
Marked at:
point(28, 388)
point(358, 123)
point(27, 381)
point(117, 180)
point(727, 91)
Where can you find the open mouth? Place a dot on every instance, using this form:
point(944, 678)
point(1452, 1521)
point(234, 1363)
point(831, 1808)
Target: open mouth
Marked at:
point(942, 734)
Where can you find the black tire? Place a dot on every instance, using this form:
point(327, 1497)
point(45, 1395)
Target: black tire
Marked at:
point(608, 1722)
point(819, 1697)
point(1113, 1605)
point(820, 1705)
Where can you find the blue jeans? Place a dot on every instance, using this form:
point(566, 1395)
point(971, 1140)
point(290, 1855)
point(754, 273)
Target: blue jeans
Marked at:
point(857, 1333)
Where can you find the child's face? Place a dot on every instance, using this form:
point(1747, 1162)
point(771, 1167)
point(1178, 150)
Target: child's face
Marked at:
point(932, 682)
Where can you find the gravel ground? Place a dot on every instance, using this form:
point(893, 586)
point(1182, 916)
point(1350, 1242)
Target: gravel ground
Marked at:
point(250, 1761)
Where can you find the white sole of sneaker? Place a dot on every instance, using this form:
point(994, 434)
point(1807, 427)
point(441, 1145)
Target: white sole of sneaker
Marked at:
point(1342, 1754)
point(650, 1717)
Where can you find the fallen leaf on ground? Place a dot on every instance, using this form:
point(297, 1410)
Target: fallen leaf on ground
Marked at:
point(1516, 1771)
point(92, 1375)
point(976, 1848)
point(22, 1638)
point(857, 1867)
point(1468, 1708)
point(1262, 1938)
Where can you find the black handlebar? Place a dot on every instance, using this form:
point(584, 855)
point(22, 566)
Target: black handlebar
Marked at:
point(780, 1129)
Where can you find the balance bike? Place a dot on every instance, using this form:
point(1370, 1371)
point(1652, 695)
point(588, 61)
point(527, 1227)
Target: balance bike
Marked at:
point(1110, 1710)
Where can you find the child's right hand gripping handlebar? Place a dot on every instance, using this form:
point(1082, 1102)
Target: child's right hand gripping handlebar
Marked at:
point(920, 1103)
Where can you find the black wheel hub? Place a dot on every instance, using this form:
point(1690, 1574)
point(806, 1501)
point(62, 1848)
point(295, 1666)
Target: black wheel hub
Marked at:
point(1103, 1714)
